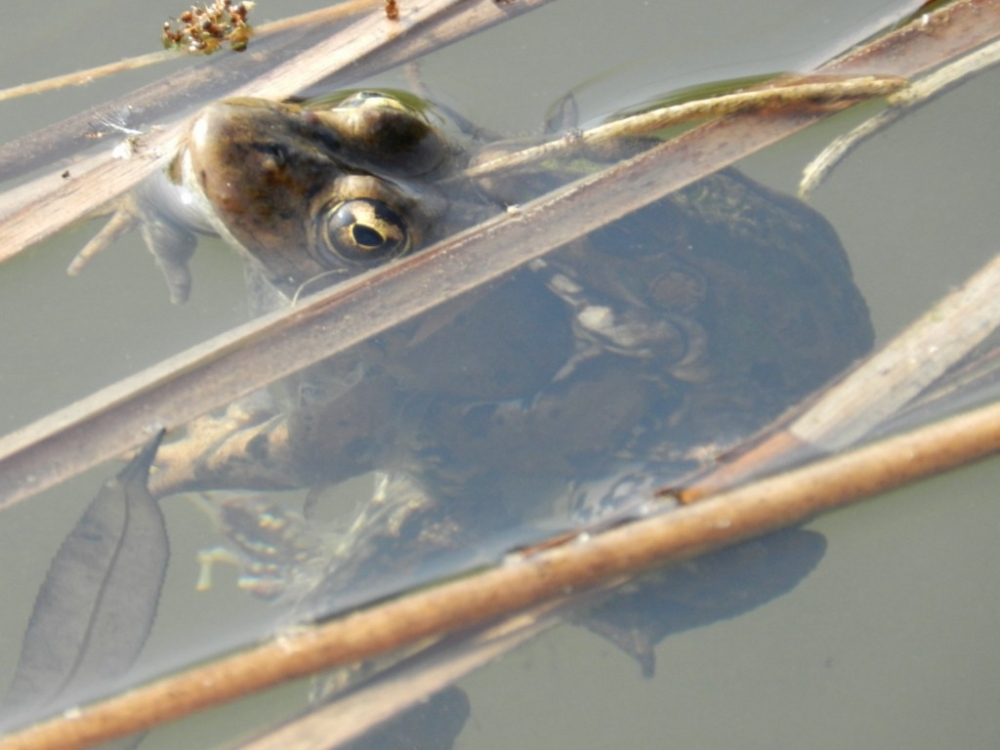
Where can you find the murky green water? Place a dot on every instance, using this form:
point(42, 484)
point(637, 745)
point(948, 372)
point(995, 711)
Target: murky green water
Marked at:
point(889, 643)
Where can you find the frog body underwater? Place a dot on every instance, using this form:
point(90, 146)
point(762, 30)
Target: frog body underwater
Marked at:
point(690, 323)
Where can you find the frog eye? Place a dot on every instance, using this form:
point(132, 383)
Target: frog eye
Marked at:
point(363, 231)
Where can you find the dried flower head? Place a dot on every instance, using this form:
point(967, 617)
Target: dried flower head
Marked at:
point(204, 29)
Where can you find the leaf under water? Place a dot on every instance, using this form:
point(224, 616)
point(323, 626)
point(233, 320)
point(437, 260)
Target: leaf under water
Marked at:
point(99, 599)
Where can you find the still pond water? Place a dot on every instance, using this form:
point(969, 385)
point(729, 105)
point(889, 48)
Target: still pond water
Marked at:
point(891, 642)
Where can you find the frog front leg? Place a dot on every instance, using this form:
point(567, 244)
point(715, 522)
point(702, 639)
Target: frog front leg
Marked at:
point(254, 446)
point(168, 223)
point(245, 447)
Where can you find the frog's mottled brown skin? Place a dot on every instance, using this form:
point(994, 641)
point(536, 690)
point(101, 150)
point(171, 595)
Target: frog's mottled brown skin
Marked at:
point(690, 323)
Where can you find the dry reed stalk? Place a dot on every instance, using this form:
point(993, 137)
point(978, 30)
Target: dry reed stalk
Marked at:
point(122, 416)
point(586, 563)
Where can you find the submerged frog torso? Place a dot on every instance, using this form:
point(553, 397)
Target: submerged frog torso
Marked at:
point(687, 324)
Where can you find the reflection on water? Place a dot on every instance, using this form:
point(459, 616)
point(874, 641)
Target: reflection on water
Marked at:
point(443, 450)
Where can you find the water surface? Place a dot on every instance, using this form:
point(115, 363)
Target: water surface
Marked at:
point(889, 643)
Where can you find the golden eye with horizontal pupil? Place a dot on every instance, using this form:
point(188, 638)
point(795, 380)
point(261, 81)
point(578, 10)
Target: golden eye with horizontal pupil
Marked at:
point(364, 231)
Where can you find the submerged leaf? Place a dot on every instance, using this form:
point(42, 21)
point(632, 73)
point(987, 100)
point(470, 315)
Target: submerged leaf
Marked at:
point(99, 599)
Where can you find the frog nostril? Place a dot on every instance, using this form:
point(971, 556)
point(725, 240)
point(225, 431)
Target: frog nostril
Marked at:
point(273, 156)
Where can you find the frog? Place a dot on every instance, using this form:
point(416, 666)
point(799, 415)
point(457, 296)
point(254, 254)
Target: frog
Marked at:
point(591, 374)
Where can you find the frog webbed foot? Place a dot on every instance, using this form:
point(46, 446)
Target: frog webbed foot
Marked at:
point(171, 243)
point(389, 545)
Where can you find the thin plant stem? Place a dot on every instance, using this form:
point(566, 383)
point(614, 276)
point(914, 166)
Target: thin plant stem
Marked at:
point(900, 104)
point(583, 563)
point(780, 96)
point(83, 77)
point(120, 417)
